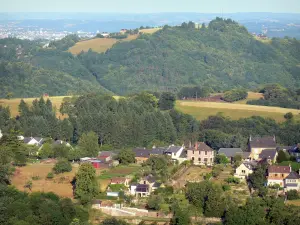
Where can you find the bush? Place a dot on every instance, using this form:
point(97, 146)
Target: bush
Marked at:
point(63, 165)
point(50, 175)
point(234, 180)
point(226, 187)
point(292, 195)
point(289, 116)
point(235, 95)
point(35, 178)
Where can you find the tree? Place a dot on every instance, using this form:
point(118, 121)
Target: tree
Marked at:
point(292, 195)
point(237, 159)
point(126, 156)
point(62, 166)
point(221, 159)
point(235, 95)
point(154, 202)
point(181, 216)
point(86, 186)
point(147, 98)
point(89, 144)
point(289, 116)
point(282, 156)
point(166, 101)
point(46, 151)
point(258, 177)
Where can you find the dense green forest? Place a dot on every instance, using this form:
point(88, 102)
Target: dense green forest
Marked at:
point(139, 121)
point(219, 57)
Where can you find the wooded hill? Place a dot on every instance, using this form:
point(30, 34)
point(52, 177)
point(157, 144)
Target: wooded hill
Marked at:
point(222, 56)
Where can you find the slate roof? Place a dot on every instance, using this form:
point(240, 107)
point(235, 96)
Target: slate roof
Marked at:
point(293, 175)
point(173, 149)
point(291, 185)
point(158, 151)
point(142, 188)
point(230, 152)
point(156, 185)
point(27, 140)
point(294, 149)
point(279, 169)
point(262, 142)
point(38, 139)
point(183, 154)
point(250, 165)
point(201, 146)
point(150, 179)
point(246, 155)
point(268, 154)
point(105, 154)
point(142, 152)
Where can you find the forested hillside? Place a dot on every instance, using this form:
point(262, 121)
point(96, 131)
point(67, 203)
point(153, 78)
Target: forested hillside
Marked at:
point(29, 70)
point(222, 56)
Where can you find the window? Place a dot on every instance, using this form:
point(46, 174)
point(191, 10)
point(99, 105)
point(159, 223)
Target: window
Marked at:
point(211, 159)
point(199, 159)
point(193, 158)
point(205, 160)
point(243, 171)
point(205, 152)
point(193, 152)
point(275, 174)
point(282, 175)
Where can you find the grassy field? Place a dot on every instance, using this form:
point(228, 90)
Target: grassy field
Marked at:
point(251, 96)
point(60, 184)
point(149, 31)
point(97, 44)
point(202, 110)
point(14, 104)
point(293, 202)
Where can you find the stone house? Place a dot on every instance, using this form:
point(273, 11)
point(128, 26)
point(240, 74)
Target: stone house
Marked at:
point(258, 144)
point(201, 154)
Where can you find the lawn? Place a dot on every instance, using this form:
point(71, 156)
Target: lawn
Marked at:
point(98, 44)
point(293, 202)
point(202, 110)
point(60, 184)
point(14, 104)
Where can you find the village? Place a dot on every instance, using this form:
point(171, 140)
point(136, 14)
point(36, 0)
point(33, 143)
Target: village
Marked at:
point(129, 187)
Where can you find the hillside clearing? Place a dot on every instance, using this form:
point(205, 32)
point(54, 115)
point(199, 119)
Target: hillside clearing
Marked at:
point(98, 44)
point(251, 96)
point(149, 31)
point(202, 110)
point(14, 104)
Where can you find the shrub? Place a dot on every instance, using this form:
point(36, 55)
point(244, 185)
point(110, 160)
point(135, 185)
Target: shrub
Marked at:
point(226, 187)
point(234, 180)
point(292, 195)
point(235, 95)
point(50, 175)
point(36, 177)
point(62, 166)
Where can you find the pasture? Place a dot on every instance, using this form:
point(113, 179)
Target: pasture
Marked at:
point(202, 110)
point(149, 31)
point(251, 96)
point(60, 184)
point(14, 104)
point(98, 44)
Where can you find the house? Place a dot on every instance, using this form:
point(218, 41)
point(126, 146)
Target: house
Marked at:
point(176, 153)
point(158, 151)
point(60, 142)
point(269, 154)
point(31, 140)
point(141, 190)
point(123, 31)
point(257, 144)
point(277, 174)
point(295, 151)
point(120, 180)
point(231, 152)
point(96, 163)
point(201, 154)
point(106, 156)
point(141, 155)
point(245, 169)
point(292, 181)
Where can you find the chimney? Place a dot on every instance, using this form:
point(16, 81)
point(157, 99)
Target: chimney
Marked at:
point(290, 167)
point(299, 171)
point(196, 145)
point(154, 147)
point(190, 144)
point(274, 138)
point(250, 138)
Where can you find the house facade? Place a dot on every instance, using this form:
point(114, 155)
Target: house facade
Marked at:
point(245, 169)
point(141, 155)
point(277, 175)
point(258, 144)
point(292, 182)
point(201, 154)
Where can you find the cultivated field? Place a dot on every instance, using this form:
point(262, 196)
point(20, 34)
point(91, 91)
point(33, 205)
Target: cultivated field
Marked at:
point(60, 184)
point(202, 110)
point(97, 44)
point(14, 104)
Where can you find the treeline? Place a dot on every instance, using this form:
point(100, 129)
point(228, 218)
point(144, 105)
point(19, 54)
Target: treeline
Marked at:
point(193, 92)
point(276, 95)
point(65, 43)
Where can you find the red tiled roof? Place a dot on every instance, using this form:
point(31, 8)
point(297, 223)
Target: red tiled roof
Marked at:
point(279, 169)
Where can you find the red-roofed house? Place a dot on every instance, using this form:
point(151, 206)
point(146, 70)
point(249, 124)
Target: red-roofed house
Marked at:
point(277, 174)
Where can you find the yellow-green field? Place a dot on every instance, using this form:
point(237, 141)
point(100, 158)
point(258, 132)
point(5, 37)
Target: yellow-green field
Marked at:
point(202, 110)
point(293, 202)
point(98, 44)
point(14, 104)
point(251, 96)
point(149, 31)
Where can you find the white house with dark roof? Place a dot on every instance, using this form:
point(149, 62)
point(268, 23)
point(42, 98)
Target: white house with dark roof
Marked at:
point(258, 144)
point(245, 169)
point(38, 141)
point(292, 181)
